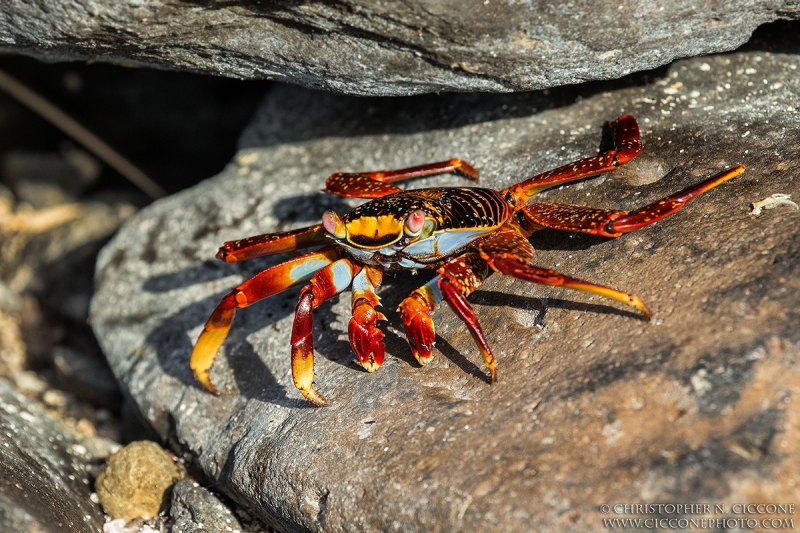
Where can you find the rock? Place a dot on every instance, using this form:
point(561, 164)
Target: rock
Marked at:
point(89, 379)
point(194, 508)
point(136, 481)
point(593, 406)
point(43, 482)
point(388, 48)
point(47, 179)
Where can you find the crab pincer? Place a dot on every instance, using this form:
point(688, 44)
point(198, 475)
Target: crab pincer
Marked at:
point(365, 337)
point(415, 313)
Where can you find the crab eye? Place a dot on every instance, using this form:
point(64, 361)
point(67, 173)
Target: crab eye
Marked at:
point(333, 224)
point(415, 222)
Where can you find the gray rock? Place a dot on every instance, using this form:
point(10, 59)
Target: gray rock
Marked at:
point(593, 405)
point(388, 48)
point(194, 508)
point(43, 482)
point(86, 377)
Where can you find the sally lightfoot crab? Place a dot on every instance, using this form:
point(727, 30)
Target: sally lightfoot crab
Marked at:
point(465, 233)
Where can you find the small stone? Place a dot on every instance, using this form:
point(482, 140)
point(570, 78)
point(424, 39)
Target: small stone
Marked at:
point(195, 508)
point(136, 481)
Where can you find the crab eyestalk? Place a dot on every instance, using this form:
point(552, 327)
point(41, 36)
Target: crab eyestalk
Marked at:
point(334, 224)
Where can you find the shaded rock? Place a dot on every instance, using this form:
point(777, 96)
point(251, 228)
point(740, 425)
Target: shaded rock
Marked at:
point(87, 378)
point(33, 238)
point(194, 508)
point(389, 48)
point(593, 405)
point(43, 482)
point(136, 481)
point(48, 179)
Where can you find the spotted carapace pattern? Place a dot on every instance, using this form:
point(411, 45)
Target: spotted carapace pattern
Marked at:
point(464, 233)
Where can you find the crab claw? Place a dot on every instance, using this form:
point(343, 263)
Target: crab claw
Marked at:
point(419, 327)
point(365, 338)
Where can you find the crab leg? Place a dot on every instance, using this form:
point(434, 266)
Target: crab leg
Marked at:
point(509, 252)
point(325, 284)
point(545, 276)
point(610, 223)
point(457, 279)
point(264, 284)
point(627, 145)
point(377, 184)
point(365, 338)
point(272, 243)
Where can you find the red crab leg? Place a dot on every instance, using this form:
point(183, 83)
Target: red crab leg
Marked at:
point(377, 184)
point(365, 338)
point(328, 282)
point(505, 253)
point(545, 276)
point(458, 279)
point(627, 145)
point(264, 284)
point(272, 243)
point(610, 223)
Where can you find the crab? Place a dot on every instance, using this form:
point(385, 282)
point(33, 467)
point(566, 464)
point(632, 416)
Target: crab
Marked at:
point(464, 233)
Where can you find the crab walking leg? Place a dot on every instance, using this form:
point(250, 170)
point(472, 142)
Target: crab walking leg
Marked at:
point(378, 184)
point(458, 279)
point(544, 276)
point(264, 284)
point(658, 210)
point(272, 243)
point(325, 284)
point(365, 338)
point(610, 223)
point(627, 145)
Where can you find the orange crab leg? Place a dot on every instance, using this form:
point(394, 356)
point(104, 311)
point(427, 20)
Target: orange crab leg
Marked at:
point(508, 252)
point(627, 145)
point(264, 284)
point(377, 184)
point(272, 243)
point(610, 223)
point(545, 276)
point(670, 204)
point(325, 284)
point(365, 338)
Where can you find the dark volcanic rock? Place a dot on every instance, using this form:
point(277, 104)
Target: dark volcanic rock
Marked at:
point(388, 48)
point(593, 405)
point(196, 509)
point(44, 486)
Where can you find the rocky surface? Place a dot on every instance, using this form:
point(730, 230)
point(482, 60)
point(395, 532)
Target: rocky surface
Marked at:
point(388, 48)
point(593, 405)
point(44, 484)
point(194, 508)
